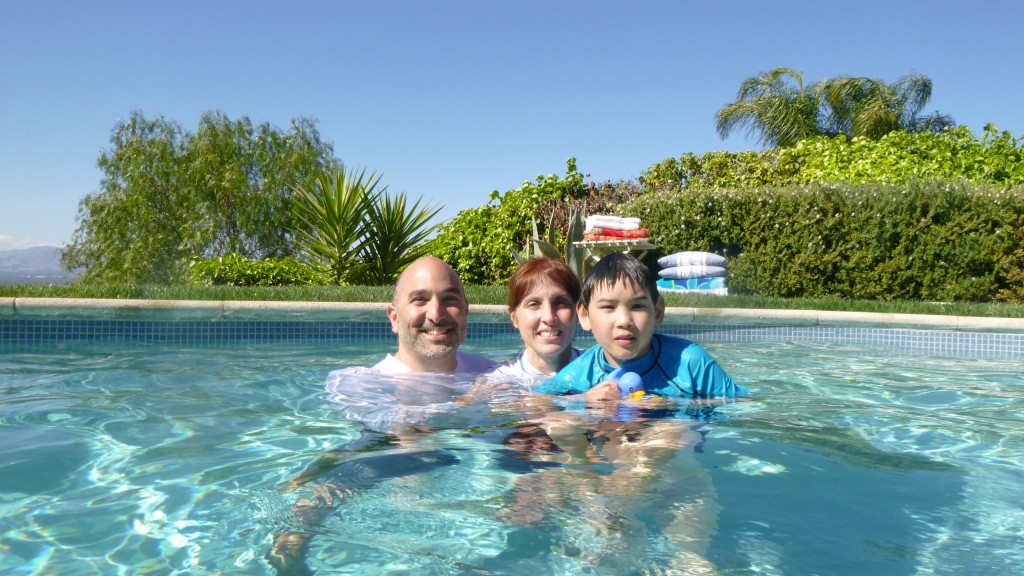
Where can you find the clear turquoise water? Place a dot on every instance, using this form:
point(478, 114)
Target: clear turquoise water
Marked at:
point(144, 459)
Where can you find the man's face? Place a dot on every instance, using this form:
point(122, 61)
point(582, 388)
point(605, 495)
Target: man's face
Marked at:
point(622, 317)
point(429, 315)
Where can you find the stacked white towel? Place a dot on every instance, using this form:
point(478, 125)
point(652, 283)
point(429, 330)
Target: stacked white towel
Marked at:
point(694, 272)
point(612, 222)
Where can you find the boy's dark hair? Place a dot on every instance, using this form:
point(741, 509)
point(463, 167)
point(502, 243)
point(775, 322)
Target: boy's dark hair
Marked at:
point(619, 267)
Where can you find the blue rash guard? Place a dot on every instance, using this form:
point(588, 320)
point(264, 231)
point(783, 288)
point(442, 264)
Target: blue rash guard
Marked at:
point(672, 367)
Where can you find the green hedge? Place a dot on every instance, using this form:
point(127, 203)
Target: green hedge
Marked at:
point(235, 270)
point(996, 157)
point(691, 171)
point(901, 156)
point(872, 227)
point(929, 240)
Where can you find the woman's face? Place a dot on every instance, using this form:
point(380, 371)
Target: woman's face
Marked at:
point(546, 319)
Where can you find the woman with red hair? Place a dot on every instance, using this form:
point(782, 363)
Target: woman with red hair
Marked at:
point(542, 296)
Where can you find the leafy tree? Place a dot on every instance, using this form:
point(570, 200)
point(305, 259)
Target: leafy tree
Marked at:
point(903, 156)
point(168, 196)
point(722, 170)
point(246, 178)
point(780, 110)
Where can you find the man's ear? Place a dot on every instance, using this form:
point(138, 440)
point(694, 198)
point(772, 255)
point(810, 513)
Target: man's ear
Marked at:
point(393, 317)
point(659, 311)
point(584, 316)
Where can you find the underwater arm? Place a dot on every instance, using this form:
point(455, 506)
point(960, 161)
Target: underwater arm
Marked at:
point(288, 556)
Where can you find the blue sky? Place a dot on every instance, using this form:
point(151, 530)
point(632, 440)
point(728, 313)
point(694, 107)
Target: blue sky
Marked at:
point(449, 100)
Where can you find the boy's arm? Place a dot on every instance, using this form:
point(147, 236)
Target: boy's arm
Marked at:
point(576, 377)
point(603, 392)
point(707, 378)
point(562, 384)
point(583, 378)
point(716, 383)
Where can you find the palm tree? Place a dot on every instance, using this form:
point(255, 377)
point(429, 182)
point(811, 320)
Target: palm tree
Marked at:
point(872, 108)
point(395, 237)
point(772, 109)
point(354, 229)
point(781, 114)
point(331, 210)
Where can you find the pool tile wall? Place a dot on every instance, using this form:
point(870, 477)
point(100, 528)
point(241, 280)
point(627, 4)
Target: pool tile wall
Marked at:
point(48, 331)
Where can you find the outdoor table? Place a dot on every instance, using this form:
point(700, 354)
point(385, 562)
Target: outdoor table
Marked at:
point(598, 249)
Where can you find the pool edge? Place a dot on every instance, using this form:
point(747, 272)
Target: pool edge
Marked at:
point(214, 310)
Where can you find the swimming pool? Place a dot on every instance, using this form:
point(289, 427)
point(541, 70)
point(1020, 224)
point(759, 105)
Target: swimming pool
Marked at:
point(154, 455)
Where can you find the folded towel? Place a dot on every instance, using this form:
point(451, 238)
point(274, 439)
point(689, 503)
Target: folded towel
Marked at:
point(600, 238)
point(604, 238)
point(691, 259)
point(699, 283)
point(638, 233)
point(692, 271)
point(613, 222)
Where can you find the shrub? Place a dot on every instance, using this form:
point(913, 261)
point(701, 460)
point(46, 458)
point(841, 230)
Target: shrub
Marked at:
point(604, 198)
point(235, 270)
point(718, 170)
point(996, 157)
point(478, 242)
point(902, 156)
point(929, 240)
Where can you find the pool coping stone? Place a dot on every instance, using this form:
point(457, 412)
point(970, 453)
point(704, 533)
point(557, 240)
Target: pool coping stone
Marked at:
point(227, 310)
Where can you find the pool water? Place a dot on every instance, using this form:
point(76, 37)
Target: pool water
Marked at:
point(154, 459)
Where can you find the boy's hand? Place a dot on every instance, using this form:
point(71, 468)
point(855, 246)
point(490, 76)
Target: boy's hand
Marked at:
point(603, 392)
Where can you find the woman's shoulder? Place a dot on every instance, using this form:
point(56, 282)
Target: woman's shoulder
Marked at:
point(510, 367)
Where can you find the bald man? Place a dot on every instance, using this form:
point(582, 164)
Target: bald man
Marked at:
point(428, 313)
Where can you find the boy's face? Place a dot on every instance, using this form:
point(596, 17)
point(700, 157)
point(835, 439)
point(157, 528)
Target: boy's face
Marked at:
point(622, 317)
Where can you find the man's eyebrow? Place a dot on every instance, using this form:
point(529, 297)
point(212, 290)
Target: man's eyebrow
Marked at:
point(419, 292)
point(454, 290)
point(428, 292)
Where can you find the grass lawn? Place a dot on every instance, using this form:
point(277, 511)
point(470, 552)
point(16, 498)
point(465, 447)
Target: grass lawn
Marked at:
point(496, 295)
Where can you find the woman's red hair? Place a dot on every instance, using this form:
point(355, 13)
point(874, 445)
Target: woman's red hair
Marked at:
point(541, 270)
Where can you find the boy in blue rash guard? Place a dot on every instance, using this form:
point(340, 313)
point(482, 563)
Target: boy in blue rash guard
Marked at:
point(620, 304)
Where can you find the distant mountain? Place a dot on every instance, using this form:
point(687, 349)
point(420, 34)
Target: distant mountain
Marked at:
point(36, 265)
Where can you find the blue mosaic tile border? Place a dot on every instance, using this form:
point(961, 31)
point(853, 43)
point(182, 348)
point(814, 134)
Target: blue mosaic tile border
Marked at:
point(36, 331)
point(902, 340)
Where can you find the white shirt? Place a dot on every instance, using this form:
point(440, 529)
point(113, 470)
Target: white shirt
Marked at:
point(465, 363)
point(520, 369)
point(393, 393)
